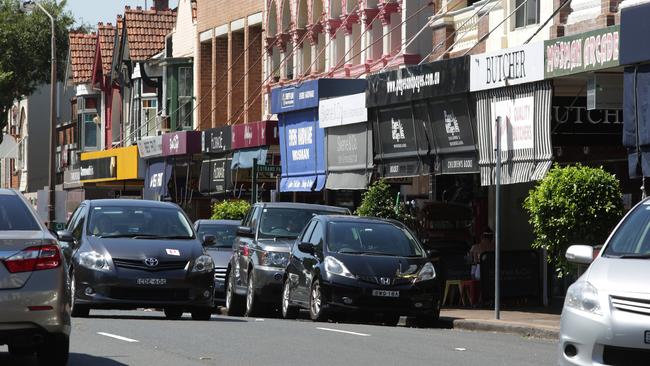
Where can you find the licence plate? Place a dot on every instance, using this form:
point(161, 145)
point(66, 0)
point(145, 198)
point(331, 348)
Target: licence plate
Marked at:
point(647, 336)
point(151, 281)
point(384, 293)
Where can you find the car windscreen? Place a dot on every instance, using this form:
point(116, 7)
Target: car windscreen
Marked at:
point(632, 238)
point(139, 222)
point(224, 234)
point(15, 215)
point(371, 238)
point(286, 222)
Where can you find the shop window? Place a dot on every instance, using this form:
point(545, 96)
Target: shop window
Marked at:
point(527, 14)
point(89, 122)
point(149, 111)
point(185, 100)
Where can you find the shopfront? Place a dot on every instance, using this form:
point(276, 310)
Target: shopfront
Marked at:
point(181, 151)
point(215, 178)
point(302, 139)
point(250, 142)
point(158, 171)
point(112, 173)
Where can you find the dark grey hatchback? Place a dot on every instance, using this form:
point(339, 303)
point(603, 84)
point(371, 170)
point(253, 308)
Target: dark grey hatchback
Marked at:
point(128, 254)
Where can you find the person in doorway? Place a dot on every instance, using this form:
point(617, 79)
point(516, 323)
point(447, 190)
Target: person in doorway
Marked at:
point(485, 245)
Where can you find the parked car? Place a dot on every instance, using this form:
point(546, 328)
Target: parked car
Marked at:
point(34, 292)
point(256, 269)
point(352, 264)
point(606, 314)
point(129, 254)
point(224, 233)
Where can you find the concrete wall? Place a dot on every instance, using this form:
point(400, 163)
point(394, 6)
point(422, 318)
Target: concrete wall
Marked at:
point(184, 36)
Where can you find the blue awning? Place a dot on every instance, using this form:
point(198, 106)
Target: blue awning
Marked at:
point(307, 183)
point(243, 159)
point(155, 184)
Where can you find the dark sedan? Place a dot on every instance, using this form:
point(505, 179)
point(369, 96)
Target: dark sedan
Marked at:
point(224, 233)
point(363, 265)
point(129, 254)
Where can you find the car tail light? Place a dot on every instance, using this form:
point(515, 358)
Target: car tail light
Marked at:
point(34, 258)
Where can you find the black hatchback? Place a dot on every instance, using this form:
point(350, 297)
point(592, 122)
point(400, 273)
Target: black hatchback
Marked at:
point(363, 265)
point(128, 254)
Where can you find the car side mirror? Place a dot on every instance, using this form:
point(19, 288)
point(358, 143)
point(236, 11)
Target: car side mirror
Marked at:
point(581, 254)
point(209, 240)
point(244, 231)
point(432, 253)
point(306, 248)
point(65, 236)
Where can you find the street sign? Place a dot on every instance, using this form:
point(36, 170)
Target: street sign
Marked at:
point(275, 169)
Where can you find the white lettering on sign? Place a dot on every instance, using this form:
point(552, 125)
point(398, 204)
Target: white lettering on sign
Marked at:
point(287, 99)
point(583, 53)
point(248, 133)
point(88, 172)
point(218, 173)
point(460, 164)
point(156, 180)
point(393, 169)
point(300, 136)
point(397, 130)
point(452, 128)
point(413, 83)
point(174, 144)
point(216, 142)
point(517, 121)
point(300, 154)
point(308, 94)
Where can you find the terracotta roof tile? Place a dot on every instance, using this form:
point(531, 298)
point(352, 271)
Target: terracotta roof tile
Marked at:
point(146, 31)
point(82, 55)
point(106, 33)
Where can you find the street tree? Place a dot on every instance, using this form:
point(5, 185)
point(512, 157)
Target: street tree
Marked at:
point(25, 50)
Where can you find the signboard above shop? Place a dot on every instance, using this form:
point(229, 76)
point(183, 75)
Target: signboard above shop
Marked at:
point(110, 165)
point(436, 79)
point(150, 147)
point(584, 52)
point(342, 111)
point(510, 66)
point(254, 134)
point(181, 143)
point(307, 94)
point(217, 140)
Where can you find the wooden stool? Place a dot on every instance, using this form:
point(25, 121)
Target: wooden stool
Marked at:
point(450, 284)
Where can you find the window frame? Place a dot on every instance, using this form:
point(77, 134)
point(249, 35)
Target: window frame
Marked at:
point(82, 113)
point(523, 13)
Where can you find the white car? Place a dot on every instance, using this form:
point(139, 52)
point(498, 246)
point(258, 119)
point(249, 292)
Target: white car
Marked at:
point(606, 315)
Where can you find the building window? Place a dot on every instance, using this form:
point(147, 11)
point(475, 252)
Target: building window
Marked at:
point(149, 111)
point(527, 14)
point(185, 100)
point(89, 122)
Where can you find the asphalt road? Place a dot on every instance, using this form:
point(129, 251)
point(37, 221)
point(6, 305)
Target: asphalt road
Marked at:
point(113, 338)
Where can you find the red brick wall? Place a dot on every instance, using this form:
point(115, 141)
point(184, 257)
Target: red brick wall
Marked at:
point(221, 89)
point(213, 13)
point(608, 16)
point(255, 63)
point(205, 79)
point(237, 77)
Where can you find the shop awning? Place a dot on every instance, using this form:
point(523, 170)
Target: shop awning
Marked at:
point(636, 125)
point(307, 183)
point(349, 156)
point(525, 132)
point(156, 180)
point(215, 176)
point(243, 159)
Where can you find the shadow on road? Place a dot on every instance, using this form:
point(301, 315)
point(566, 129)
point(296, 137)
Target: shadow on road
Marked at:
point(76, 359)
point(162, 317)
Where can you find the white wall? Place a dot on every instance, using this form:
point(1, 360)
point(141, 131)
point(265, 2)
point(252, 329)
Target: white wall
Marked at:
point(184, 35)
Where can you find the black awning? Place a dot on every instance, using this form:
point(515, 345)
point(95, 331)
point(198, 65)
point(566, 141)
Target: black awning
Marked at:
point(636, 125)
point(215, 176)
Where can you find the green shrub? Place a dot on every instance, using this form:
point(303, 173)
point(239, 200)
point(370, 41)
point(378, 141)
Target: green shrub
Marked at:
point(379, 201)
point(573, 205)
point(230, 210)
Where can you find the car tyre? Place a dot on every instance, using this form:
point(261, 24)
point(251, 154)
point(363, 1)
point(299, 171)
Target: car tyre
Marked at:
point(54, 351)
point(427, 320)
point(316, 304)
point(174, 314)
point(234, 302)
point(20, 351)
point(202, 314)
point(288, 311)
point(76, 310)
point(253, 305)
point(391, 320)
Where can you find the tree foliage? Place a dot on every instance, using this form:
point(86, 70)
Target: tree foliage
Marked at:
point(230, 210)
point(573, 205)
point(25, 50)
point(380, 202)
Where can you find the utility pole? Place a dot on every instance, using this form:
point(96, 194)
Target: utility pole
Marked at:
point(497, 226)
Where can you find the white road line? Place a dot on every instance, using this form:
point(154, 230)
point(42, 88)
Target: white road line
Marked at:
point(118, 337)
point(344, 331)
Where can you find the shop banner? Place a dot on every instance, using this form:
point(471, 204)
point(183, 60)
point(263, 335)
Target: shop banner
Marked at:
point(101, 168)
point(510, 66)
point(156, 180)
point(573, 125)
point(457, 164)
point(635, 29)
point(636, 127)
point(341, 111)
point(349, 156)
point(244, 159)
point(181, 143)
point(302, 151)
point(216, 140)
point(254, 134)
point(150, 147)
point(584, 52)
point(432, 80)
point(307, 94)
point(72, 179)
point(517, 123)
point(215, 176)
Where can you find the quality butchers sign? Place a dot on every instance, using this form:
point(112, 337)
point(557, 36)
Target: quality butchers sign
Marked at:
point(594, 50)
point(510, 66)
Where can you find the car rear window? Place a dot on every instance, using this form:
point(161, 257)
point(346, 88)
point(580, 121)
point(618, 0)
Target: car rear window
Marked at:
point(287, 222)
point(15, 215)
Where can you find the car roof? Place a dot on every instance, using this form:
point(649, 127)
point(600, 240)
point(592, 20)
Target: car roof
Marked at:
point(130, 203)
point(8, 192)
point(360, 219)
point(302, 206)
point(223, 222)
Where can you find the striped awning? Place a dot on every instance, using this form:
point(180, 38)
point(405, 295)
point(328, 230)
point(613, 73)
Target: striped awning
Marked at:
point(525, 112)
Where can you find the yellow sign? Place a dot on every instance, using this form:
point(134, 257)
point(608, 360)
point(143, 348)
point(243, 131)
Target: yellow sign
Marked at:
point(125, 163)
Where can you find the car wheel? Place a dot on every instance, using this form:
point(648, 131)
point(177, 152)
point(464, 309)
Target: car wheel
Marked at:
point(54, 351)
point(316, 303)
point(427, 320)
point(253, 306)
point(20, 351)
point(173, 314)
point(234, 302)
point(391, 320)
point(202, 314)
point(288, 311)
point(77, 311)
